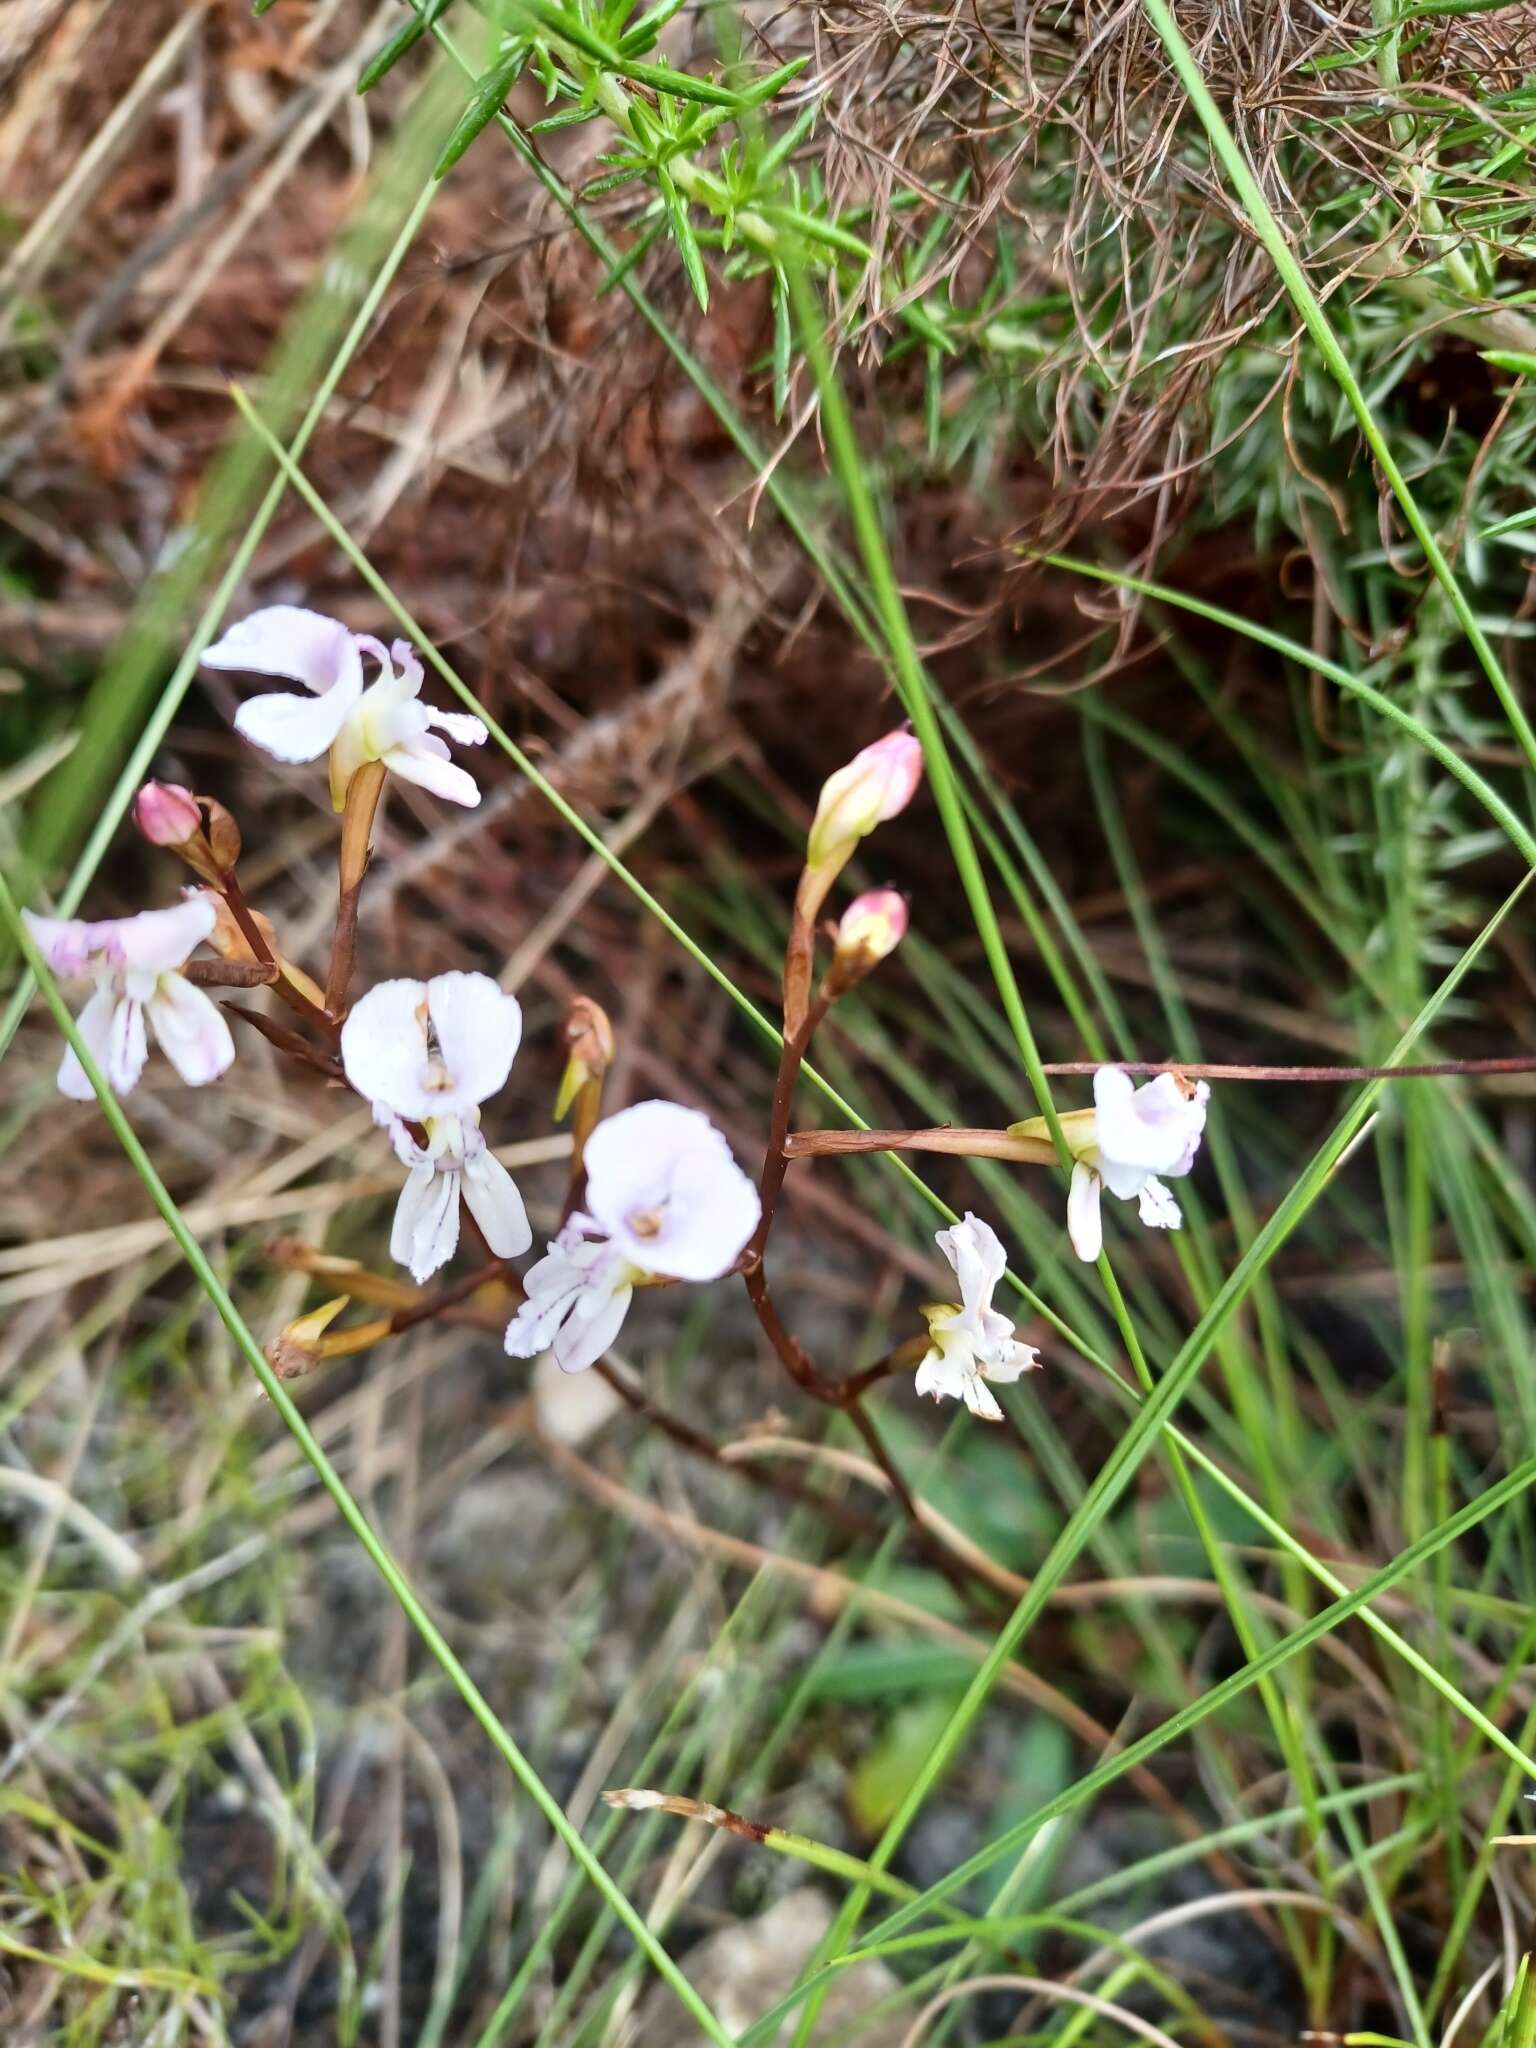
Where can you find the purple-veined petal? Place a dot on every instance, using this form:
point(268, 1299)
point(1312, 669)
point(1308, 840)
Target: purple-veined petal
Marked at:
point(426, 1226)
point(583, 1339)
point(159, 941)
point(66, 943)
point(191, 1030)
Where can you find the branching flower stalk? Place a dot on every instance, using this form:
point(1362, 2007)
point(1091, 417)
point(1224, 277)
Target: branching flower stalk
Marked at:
point(654, 1197)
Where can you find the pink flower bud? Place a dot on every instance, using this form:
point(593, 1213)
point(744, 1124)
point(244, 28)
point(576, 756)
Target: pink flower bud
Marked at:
point(875, 785)
point(167, 814)
point(872, 927)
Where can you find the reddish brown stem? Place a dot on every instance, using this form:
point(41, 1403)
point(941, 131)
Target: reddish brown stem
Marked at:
point(702, 1446)
point(1437, 1070)
point(289, 1042)
point(792, 1354)
point(230, 973)
point(240, 910)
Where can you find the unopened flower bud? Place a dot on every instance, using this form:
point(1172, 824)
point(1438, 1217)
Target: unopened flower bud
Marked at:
point(589, 1039)
point(167, 814)
point(874, 786)
point(872, 927)
point(297, 1347)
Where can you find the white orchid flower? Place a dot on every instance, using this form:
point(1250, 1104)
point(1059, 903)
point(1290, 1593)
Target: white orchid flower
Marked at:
point(384, 721)
point(1124, 1143)
point(429, 1053)
point(665, 1200)
point(972, 1342)
point(135, 963)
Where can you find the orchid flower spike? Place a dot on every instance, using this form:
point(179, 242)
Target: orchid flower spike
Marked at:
point(383, 721)
point(970, 1341)
point(135, 963)
point(665, 1200)
point(429, 1053)
point(1124, 1143)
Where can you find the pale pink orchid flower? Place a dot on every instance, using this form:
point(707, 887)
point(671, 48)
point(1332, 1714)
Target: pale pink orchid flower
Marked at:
point(429, 1053)
point(1132, 1137)
point(664, 1200)
point(343, 717)
point(970, 1341)
point(135, 963)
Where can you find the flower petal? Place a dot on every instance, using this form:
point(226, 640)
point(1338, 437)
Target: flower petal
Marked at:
point(461, 726)
point(975, 1251)
point(94, 1024)
point(479, 1027)
point(191, 1031)
point(585, 1338)
point(293, 728)
point(981, 1401)
point(1156, 1128)
point(1012, 1360)
point(66, 943)
point(384, 1046)
point(942, 1376)
point(158, 941)
point(494, 1202)
point(1085, 1224)
point(414, 761)
point(1157, 1208)
point(661, 1180)
point(426, 1226)
point(287, 640)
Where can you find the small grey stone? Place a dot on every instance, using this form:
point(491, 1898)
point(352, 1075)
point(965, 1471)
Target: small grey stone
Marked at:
point(743, 1970)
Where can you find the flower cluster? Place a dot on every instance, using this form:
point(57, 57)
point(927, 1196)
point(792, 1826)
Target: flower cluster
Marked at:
point(656, 1197)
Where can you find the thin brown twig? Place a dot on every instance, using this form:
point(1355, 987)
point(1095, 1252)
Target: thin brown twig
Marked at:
point(250, 930)
point(797, 1361)
point(968, 1143)
point(1434, 1070)
point(289, 1042)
